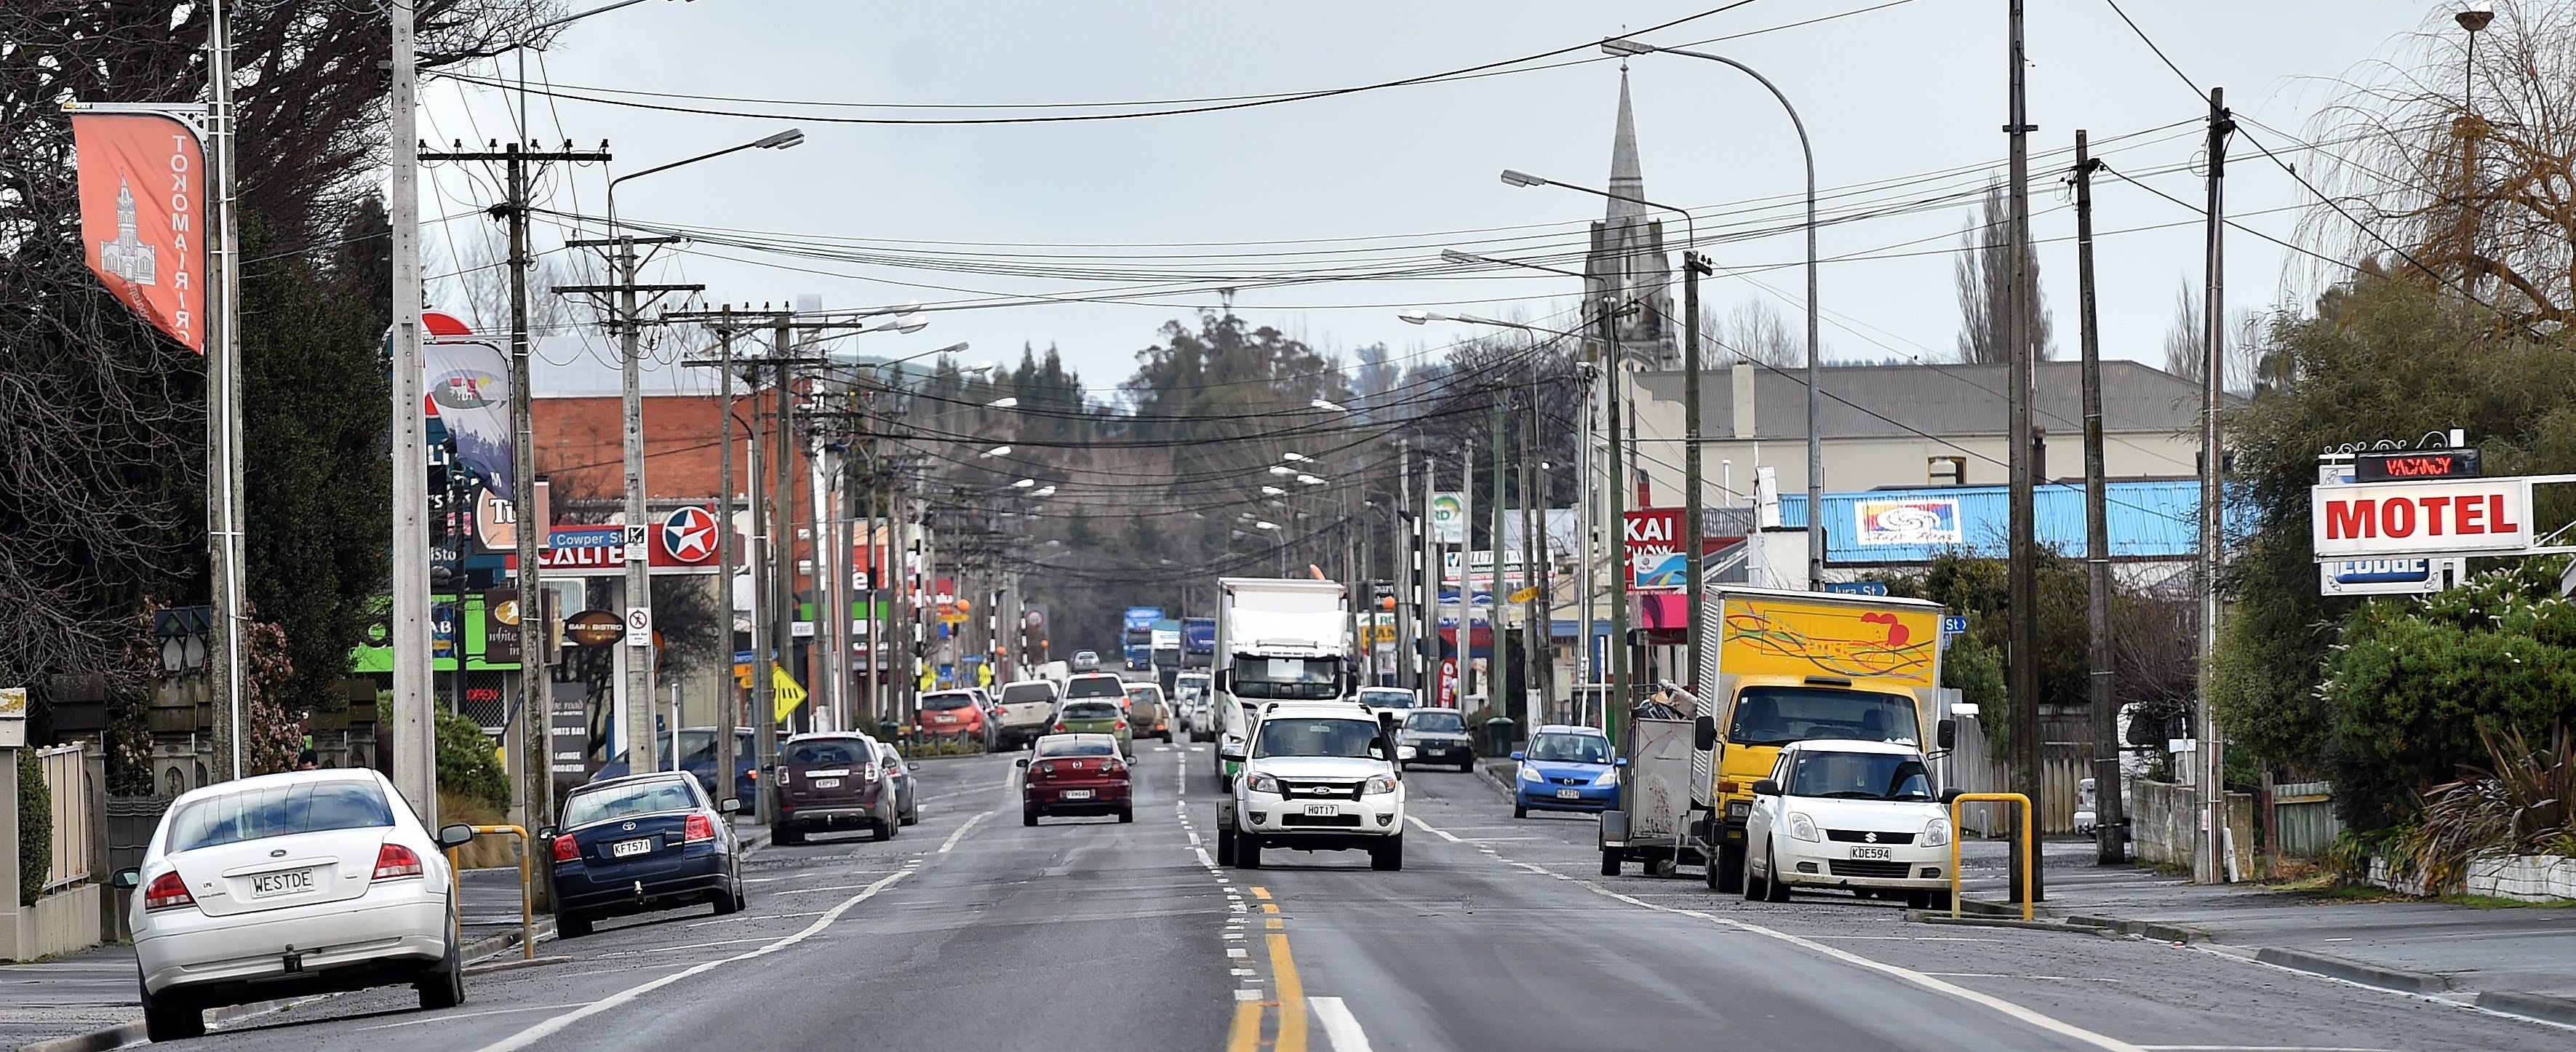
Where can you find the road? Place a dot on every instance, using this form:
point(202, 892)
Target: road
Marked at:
point(972, 932)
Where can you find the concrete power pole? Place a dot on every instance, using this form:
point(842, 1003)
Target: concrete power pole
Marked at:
point(1694, 481)
point(2208, 866)
point(2022, 679)
point(2110, 832)
point(415, 747)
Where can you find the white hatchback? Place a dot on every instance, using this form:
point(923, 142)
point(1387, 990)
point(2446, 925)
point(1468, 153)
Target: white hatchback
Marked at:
point(290, 884)
point(1858, 815)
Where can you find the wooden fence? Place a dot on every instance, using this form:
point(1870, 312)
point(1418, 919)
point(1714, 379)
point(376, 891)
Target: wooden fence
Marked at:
point(67, 781)
point(1973, 767)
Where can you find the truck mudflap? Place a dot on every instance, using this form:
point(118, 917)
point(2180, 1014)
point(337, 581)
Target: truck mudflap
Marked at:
point(1614, 829)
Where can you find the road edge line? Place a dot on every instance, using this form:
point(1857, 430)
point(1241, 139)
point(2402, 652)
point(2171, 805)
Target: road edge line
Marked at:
point(1339, 1025)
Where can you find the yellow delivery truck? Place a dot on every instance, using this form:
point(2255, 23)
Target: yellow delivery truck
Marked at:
point(1799, 665)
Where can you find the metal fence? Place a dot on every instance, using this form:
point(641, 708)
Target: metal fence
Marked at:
point(67, 781)
point(2303, 818)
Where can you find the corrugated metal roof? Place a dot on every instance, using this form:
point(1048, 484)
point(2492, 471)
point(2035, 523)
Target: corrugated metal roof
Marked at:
point(2148, 520)
point(1949, 400)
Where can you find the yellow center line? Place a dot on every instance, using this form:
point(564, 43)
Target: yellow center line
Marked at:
point(1246, 1035)
point(1261, 893)
point(1270, 907)
point(1274, 924)
point(1292, 997)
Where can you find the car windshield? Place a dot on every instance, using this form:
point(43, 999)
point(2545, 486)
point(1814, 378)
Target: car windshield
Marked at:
point(1780, 715)
point(698, 747)
point(1387, 699)
point(1435, 721)
point(624, 801)
point(1859, 776)
point(1082, 746)
point(1288, 677)
point(1317, 736)
point(1024, 693)
point(1569, 748)
point(944, 702)
point(279, 810)
point(1095, 687)
point(1090, 710)
point(1147, 695)
point(822, 752)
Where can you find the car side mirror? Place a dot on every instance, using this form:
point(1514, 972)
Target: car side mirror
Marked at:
point(1704, 733)
point(546, 833)
point(1230, 752)
point(453, 836)
point(1405, 752)
point(126, 879)
point(1766, 787)
point(1517, 756)
point(1621, 762)
point(1021, 762)
point(1947, 733)
point(729, 805)
point(1951, 796)
point(1225, 682)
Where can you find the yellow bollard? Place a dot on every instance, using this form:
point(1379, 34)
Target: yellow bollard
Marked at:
point(527, 887)
point(2029, 844)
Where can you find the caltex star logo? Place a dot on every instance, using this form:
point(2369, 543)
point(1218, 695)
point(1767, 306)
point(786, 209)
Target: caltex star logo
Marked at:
point(690, 534)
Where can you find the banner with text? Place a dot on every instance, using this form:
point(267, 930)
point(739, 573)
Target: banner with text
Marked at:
point(143, 216)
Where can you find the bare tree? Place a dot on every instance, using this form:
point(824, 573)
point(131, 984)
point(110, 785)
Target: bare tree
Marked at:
point(1984, 269)
point(1754, 329)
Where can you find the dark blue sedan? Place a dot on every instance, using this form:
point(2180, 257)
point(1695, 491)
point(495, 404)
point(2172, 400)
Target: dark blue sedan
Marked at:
point(642, 843)
point(697, 748)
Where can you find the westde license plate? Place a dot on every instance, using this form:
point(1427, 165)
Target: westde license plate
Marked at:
point(283, 882)
point(630, 848)
point(1879, 853)
point(1077, 794)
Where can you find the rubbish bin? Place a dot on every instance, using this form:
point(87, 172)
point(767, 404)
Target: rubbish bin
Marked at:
point(1498, 736)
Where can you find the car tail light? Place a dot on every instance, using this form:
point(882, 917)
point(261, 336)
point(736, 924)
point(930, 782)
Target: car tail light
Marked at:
point(1121, 725)
point(566, 850)
point(1111, 767)
point(697, 828)
point(1059, 728)
point(394, 861)
point(167, 891)
point(1044, 770)
point(867, 774)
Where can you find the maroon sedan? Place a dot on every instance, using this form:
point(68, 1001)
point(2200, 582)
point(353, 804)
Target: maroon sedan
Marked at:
point(1075, 774)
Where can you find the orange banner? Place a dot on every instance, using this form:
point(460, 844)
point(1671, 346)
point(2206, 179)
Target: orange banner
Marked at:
point(143, 216)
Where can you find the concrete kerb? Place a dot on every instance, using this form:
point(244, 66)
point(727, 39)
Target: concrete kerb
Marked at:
point(2351, 970)
point(2536, 1006)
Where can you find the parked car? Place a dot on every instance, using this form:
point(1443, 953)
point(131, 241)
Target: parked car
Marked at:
point(833, 781)
point(1097, 716)
point(291, 884)
point(1028, 710)
point(954, 713)
point(1849, 814)
point(1566, 768)
point(1148, 712)
point(638, 844)
point(697, 748)
point(899, 774)
point(1437, 736)
point(1075, 774)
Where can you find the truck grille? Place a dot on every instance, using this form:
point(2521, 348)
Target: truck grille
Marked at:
point(1853, 867)
point(1319, 790)
point(1863, 836)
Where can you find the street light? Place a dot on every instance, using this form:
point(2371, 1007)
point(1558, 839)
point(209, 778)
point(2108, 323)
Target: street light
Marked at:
point(1327, 406)
point(996, 451)
point(1271, 491)
point(1024, 483)
point(1282, 470)
point(1265, 524)
point(1295, 458)
point(1007, 402)
point(1815, 445)
point(1043, 491)
point(1311, 480)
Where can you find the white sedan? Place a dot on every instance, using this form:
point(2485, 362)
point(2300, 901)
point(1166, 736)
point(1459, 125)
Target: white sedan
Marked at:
point(1857, 815)
point(290, 884)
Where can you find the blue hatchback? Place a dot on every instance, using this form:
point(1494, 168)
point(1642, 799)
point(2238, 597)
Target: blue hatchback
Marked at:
point(1566, 768)
point(641, 843)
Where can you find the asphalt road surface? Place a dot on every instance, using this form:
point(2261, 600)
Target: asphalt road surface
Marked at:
point(969, 931)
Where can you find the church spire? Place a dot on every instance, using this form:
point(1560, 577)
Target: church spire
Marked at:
point(1627, 180)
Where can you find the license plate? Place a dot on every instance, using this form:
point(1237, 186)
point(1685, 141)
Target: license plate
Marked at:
point(1569, 794)
point(945, 719)
point(1077, 794)
point(1323, 809)
point(1870, 852)
point(630, 848)
point(284, 882)
point(827, 783)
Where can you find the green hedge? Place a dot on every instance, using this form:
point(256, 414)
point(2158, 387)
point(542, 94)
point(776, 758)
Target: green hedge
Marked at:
point(35, 828)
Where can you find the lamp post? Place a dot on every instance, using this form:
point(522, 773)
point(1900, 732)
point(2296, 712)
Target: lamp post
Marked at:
point(1815, 445)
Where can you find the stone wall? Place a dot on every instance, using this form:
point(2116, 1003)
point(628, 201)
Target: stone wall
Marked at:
point(2164, 825)
point(2523, 878)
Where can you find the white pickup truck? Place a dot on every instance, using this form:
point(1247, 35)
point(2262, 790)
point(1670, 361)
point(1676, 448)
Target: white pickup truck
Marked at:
point(1315, 776)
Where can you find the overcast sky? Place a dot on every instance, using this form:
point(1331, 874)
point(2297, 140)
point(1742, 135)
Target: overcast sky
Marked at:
point(1095, 233)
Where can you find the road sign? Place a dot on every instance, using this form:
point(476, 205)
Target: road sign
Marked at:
point(635, 534)
point(1954, 624)
point(1857, 587)
point(1525, 594)
point(639, 626)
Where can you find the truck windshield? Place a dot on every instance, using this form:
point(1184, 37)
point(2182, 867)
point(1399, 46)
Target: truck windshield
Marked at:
point(1780, 715)
point(1860, 776)
point(1354, 739)
point(1287, 677)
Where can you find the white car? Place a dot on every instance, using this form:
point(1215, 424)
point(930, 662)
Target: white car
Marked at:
point(1857, 815)
point(290, 884)
point(1316, 776)
point(1393, 701)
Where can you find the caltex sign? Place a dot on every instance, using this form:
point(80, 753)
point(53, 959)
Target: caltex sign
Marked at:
point(684, 542)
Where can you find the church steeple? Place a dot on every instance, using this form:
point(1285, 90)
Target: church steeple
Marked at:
point(1627, 179)
point(1627, 266)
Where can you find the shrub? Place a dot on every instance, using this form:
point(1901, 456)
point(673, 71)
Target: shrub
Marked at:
point(35, 828)
point(467, 763)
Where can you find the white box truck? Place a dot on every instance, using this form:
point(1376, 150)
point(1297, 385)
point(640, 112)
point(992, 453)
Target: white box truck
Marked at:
point(1277, 639)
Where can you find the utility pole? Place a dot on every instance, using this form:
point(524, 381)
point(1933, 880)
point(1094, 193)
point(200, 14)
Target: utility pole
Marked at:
point(2210, 752)
point(1615, 360)
point(415, 747)
point(1500, 688)
point(1536, 632)
point(536, 700)
point(2110, 831)
point(731, 710)
point(1408, 672)
point(782, 568)
point(1696, 588)
point(1466, 645)
point(2022, 674)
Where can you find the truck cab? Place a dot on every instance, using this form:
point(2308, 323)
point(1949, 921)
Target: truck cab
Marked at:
point(1277, 639)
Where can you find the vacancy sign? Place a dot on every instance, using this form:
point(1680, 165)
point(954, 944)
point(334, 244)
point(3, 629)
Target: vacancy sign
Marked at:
point(2369, 520)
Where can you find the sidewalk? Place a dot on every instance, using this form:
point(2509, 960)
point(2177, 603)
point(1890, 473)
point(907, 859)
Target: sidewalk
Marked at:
point(2418, 946)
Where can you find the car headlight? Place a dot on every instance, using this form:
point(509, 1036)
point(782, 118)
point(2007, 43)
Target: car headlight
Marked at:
point(1262, 783)
point(1936, 832)
point(1802, 827)
point(1530, 774)
point(1384, 783)
point(1609, 777)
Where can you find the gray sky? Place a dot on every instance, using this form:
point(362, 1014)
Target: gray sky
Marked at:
point(1142, 219)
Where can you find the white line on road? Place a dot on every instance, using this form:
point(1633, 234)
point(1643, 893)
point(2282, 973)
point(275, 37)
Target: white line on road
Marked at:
point(533, 1035)
point(1427, 828)
point(2008, 975)
point(466, 1015)
point(951, 842)
point(1204, 860)
point(1339, 1024)
point(737, 919)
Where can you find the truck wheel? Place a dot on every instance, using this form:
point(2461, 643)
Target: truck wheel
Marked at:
point(1247, 853)
point(1610, 861)
point(1389, 856)
point(1727, 873)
